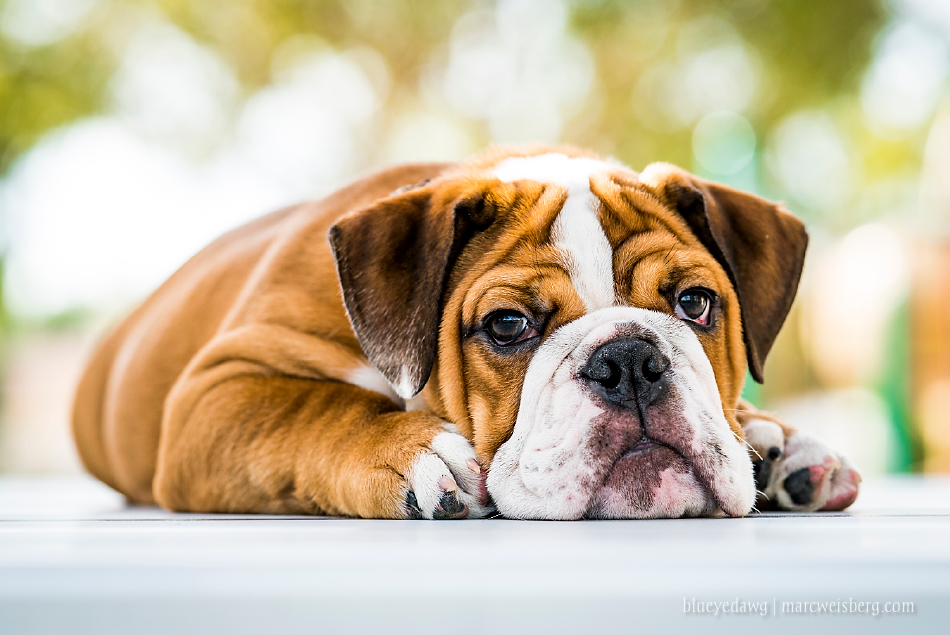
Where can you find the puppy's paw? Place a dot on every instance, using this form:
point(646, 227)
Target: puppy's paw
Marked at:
point(799, 473)
point(447, 482)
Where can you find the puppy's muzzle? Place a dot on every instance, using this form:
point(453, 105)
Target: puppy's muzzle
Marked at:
point(621, 417)
point(628, 372)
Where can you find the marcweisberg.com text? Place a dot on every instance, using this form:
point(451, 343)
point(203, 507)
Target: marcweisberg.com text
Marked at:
point(764, 608)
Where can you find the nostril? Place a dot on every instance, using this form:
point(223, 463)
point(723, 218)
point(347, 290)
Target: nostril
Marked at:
point(606, 373)
point(614, 375)
point(651, 371)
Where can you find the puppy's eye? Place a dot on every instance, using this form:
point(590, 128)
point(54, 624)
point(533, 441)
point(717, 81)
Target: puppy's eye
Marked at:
point(694, 305)
point(508, 327)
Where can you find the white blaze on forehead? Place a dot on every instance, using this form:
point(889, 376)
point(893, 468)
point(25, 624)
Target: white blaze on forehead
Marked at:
point(577, 232)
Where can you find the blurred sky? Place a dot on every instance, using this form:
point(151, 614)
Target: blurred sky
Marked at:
point(132, 132)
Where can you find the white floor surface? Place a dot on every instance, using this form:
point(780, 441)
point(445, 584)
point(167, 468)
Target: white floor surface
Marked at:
point(75, 559)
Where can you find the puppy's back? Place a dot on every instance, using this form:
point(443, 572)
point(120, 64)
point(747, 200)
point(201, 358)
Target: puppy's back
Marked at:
point(117, 411)
point(118, 406)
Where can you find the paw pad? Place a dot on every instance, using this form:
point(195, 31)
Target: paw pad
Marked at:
point(450, 507)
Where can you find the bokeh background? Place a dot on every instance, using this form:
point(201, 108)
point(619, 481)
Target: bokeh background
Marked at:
point(132, 132)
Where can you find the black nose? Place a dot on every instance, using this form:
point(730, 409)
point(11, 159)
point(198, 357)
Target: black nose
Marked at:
point(629, 372)
point(799, 486)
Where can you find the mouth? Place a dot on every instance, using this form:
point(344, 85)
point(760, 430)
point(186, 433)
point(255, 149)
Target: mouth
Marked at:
point(648, 480)
point(645, 444)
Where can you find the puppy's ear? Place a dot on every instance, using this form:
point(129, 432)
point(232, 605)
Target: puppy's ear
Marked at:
point(393, 260)
point(759, 244)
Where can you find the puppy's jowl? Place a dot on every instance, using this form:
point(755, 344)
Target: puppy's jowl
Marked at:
point(538, 331)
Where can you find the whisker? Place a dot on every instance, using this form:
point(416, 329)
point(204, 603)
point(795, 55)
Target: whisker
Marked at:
point(746, 443)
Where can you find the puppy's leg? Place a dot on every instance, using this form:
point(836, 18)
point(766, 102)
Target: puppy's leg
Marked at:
point(794, 471)
point(236, 438)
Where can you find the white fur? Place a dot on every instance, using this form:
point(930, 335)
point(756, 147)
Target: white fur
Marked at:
point(577, 232)
point(366, 376)
point(405, 388)
point(424, 476)
point(542, 472)
point(763, 434)
point(449, 458)
point(457, 452)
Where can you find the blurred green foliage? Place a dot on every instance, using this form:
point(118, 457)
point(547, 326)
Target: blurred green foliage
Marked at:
point(812, 54)
point(46, 87)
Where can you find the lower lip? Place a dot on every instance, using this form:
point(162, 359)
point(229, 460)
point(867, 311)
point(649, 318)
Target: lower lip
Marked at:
point(640, 447)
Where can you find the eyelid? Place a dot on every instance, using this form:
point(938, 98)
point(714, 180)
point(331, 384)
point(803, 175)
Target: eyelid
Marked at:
point(679, 290)
point(535, 317)
point(690, 284)
point(483, 323)
point(499, 297)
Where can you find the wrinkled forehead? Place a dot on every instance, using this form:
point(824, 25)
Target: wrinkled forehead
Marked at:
point(590, 223)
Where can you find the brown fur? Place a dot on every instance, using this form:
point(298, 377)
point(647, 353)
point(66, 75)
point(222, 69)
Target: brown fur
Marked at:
point(226, 390)
point(254, 319)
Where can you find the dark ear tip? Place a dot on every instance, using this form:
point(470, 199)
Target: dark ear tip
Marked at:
point(755, 366)
point(684, 196)
point(475, 208)
point(336, 242)
point(333, 235)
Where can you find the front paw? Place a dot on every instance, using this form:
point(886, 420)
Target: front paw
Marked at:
point(447, 482)
point(799, 473)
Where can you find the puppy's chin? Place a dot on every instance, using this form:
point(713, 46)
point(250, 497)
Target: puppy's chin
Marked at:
point(650, 480)
point(575, 454)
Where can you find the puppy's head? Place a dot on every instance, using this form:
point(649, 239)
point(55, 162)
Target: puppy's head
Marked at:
point(587, 327)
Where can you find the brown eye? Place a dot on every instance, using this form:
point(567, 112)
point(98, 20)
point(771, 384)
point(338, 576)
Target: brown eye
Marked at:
point(508, 327)
point(694, 305)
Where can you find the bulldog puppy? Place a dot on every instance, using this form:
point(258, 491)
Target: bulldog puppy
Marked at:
point(536, 330)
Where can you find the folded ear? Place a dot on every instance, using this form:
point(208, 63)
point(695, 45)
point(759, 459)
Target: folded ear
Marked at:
point(759, 244)
point(393, 260)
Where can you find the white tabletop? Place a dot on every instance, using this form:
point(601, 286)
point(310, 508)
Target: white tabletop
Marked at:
point(74, 558)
